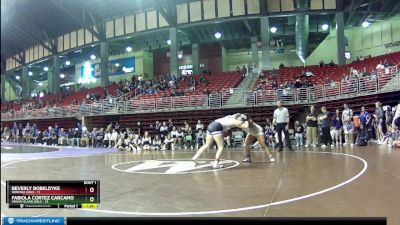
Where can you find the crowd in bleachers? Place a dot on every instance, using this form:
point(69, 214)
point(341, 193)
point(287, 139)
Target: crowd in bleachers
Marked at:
point(164, 136)
point(341, 127)
point(169, 85)
point(302, 77)
point(346, 127)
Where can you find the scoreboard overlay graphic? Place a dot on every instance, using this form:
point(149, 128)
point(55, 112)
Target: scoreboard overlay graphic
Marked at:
point(53, 194)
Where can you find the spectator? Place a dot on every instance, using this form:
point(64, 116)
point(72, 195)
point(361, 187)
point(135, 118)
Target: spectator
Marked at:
point(199, 139)
point(156, 145)
point(85, 138)
point(179, 138)
point(379, 122)
point(388, 137)
point(365, 73)
point(336, 133)
point(388, 116)
point(386, 63)
point(62, 137)
point(77, 137)
point(349, 132)
point(299, 130)
point(107, 137)
point(347, 113)
point(146, 141)
point(281, 66)
point(308, 74)
point(312, 124)
point(189, 139)
point(46, 137)
point(199, 126)
point(244, 70)
point(157, 127)
point(396, 117)
point(203, 80)
point(164, 130)
point(321, 64)
point(325, 120)
point(380, 66)
point(365, 121)
point(332, 64)
point(113, 138)
point(168, 142)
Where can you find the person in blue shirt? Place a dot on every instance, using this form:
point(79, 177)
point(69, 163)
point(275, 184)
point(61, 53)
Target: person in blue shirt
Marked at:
point(15, 131)
point(56, 129)
point(349, 132)
point(46, 137)
point(53, 136)
point(62, 137)
point(365, 120)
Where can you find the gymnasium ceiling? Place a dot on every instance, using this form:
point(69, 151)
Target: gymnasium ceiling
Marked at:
point(26, 22)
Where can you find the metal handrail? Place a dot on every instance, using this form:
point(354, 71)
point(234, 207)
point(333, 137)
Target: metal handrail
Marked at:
point(338, 90)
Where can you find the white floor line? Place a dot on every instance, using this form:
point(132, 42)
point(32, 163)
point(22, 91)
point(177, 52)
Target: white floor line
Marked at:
point(224, 210)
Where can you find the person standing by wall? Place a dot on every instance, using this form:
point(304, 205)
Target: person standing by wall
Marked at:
point(299, 130)
point(379, 121)
point(325, 120)
point(347, 114)
point(336, 133)
point(396, 117)
point(281, 121)
point(312, 124)
point(365, 122)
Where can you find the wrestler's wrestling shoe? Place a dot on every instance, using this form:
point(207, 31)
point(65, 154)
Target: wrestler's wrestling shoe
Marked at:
point(215, 165)
point(194, 159)
point(271, 158)
point(247, 159)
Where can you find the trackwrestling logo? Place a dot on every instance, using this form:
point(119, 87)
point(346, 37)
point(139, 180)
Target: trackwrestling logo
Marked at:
point(171, 166)
point(10, 220)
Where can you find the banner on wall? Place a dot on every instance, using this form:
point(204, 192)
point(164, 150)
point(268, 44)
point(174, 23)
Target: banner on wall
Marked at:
point(115, 67)
point(392, 44)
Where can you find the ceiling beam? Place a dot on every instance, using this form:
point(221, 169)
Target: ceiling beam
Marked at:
point(75, 18)
point(33, 37)
point(365, 16)
point(248, 27)
point(352, 11)
point(96, 23)
point(394, 10)
point(165, 15)
point(18, 60)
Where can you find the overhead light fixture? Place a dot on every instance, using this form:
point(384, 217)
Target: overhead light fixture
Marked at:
point(67, 63)
point(217, 35)
point(325, 26)
point(273, 29)
point(169, 42)
point(30, 73)
point(40, 84)
point(92, 56)
point(17, 77)
point(129, 49)
point(116, 64)
point(365, 24)
point(62, 76)
point(77, 51)
point(46, 68)
point(180, 56)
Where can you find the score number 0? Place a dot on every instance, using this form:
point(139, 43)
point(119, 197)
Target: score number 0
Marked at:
point(91, 190)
